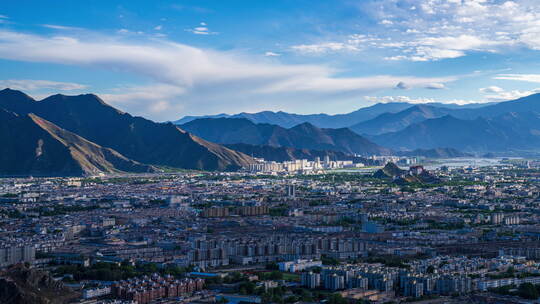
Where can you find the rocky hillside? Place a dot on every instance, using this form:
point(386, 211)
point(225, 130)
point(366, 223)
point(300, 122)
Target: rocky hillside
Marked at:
point(136, 138)
point(302, 136)
point(21, 285)
point(32, 145)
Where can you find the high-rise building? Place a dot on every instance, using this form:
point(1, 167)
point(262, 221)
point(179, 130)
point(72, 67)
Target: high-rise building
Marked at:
point(333, 281)
point(16, 254)
point(291, 191)
point(311, 280)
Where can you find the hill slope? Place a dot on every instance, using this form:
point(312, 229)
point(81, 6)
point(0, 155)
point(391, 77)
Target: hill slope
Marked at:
point(135, 137)
point(21, 285)
point(392, 122)
point(510, 131)
point(280, 154)
point(303, 136)
point(34, 146)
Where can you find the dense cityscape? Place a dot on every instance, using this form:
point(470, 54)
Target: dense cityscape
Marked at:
point(363, 236)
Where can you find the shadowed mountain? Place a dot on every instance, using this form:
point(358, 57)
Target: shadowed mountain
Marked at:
point(136, 138)
point(280, 154)
point(303, 136)
point(511, 131)
point(288, 120)
point(34, 146)
point(391, 122)
point(529, 103)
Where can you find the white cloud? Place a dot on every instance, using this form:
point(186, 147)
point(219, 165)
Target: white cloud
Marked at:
point(407, 99)
point(4, 19)
point(201, 30)
point(271, 54)
point(494, 93)
point(33, 85)
point(491, 89)
point(520, 77)
point(388, 99)
point(198, 80)
point(155, 99)
point(428, 30)
point(435, 86)
point(158, 28)
point(323, 47)
point(61, 27)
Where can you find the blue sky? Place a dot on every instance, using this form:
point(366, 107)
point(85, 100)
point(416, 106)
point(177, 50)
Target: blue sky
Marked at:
point(167, 59)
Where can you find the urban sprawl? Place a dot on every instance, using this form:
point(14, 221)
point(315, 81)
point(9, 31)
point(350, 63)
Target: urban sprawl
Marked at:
point(292, 232)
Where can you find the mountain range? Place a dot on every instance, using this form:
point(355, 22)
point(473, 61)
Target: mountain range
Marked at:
point(510, 126)
point(135, 138)
point(302, 136)
point(82, 135)
point(509, 131)
point(391, 122)
point(288, 120)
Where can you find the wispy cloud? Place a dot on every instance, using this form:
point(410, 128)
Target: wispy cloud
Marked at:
point(33, 85)
point(195, 80)
point(520, 77)
point(61, 27)
point(324, 47)
point(435, 86)
point(407, 99)
point(271, 54)
point(494, 93)
point(491, 89)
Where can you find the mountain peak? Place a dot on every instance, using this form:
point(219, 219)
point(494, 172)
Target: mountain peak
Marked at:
point(305, 125)
point(90, 102)
point(11, 93)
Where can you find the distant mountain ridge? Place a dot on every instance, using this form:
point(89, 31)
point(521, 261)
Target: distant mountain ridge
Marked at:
point(510, 131)
point(494, 127)
point(391, 122)
point(289, 120)
point(302, 136)
point(139, 139)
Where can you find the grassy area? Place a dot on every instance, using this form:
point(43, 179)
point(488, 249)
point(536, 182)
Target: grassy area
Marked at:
point(293, 277)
